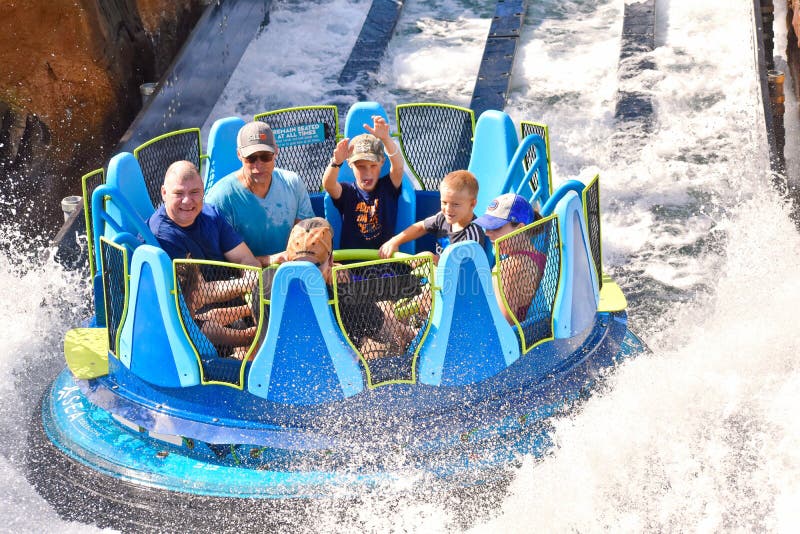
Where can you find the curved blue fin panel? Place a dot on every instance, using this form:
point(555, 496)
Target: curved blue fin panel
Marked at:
point(469, 339)
point(578, 289)
point(152, 343)
point(150, 347)
point(492, 150)
point(125, 174)
point(221, 150)
point(304, 358)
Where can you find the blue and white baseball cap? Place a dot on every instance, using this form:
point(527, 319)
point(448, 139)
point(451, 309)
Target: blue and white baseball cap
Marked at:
point(508, 208)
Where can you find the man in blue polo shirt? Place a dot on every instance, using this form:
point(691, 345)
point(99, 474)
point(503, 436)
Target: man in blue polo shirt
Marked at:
point(185, 227)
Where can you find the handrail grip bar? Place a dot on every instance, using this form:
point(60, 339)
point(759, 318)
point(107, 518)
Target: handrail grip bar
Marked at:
point(100, 215)
point(540, 163)
point(558, 194)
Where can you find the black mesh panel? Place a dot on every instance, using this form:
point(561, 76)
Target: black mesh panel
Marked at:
point(219, 307)
point(114, 279)
point(436, 139)
point(384, 309)
point(529, 268)
point(306, 138)
point(157, 155)
point(90, 182)
point(591, 202)
point(529, 128)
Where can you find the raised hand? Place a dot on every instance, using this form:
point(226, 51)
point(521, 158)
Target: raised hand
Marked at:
point(342, 151)
point(380, 128)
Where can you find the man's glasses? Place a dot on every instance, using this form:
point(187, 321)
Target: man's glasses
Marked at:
point(265, 157)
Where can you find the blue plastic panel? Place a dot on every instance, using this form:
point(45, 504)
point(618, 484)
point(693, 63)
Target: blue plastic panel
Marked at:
point(469, 339)
point(221, 150)
point(152, 343)
point(492, 151)
point(303, 359)
point(578, 291)
point(125, 174)
point(428, 203)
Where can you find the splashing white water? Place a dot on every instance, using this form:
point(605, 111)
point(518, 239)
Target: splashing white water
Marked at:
point(700, 435)
point(38, 307)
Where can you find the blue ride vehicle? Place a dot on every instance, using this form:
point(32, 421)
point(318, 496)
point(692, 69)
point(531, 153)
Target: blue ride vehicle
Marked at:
point(148, 405)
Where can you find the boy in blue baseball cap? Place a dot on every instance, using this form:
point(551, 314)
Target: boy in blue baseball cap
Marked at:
point(520, 262)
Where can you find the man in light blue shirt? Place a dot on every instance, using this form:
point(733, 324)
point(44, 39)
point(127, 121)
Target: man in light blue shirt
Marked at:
point(262, 203)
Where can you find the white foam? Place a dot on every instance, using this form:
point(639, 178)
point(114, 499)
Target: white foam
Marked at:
point(699, 436)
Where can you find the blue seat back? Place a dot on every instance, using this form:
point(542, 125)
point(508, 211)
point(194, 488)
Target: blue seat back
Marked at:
point(152, 342)
point(125, 174)
point(469, 339)
point(493, 149)
point(221, 149)
point(304, 359)
point(357, 116)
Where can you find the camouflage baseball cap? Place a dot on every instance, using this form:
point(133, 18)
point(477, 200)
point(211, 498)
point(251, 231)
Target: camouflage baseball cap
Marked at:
point(366, 147)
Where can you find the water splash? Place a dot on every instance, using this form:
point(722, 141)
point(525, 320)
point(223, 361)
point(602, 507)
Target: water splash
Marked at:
point(696, 436)
point(38, 307)
point(700, 435)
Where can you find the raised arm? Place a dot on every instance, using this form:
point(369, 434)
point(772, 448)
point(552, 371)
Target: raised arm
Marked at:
point(330, 178)
point(380, 129)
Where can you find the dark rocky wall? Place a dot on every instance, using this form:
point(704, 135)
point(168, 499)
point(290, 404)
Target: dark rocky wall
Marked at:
point(69, 87)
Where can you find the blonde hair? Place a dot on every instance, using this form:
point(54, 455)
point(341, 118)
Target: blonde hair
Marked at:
point(461, 180)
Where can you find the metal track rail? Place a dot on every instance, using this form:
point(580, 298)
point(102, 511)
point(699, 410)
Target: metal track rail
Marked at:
point(494, 76)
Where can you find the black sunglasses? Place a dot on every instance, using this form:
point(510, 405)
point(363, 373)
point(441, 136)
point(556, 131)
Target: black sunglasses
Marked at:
point(266, 158)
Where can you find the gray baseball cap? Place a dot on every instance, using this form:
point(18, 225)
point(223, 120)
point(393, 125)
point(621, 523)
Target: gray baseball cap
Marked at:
point(255, 137)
